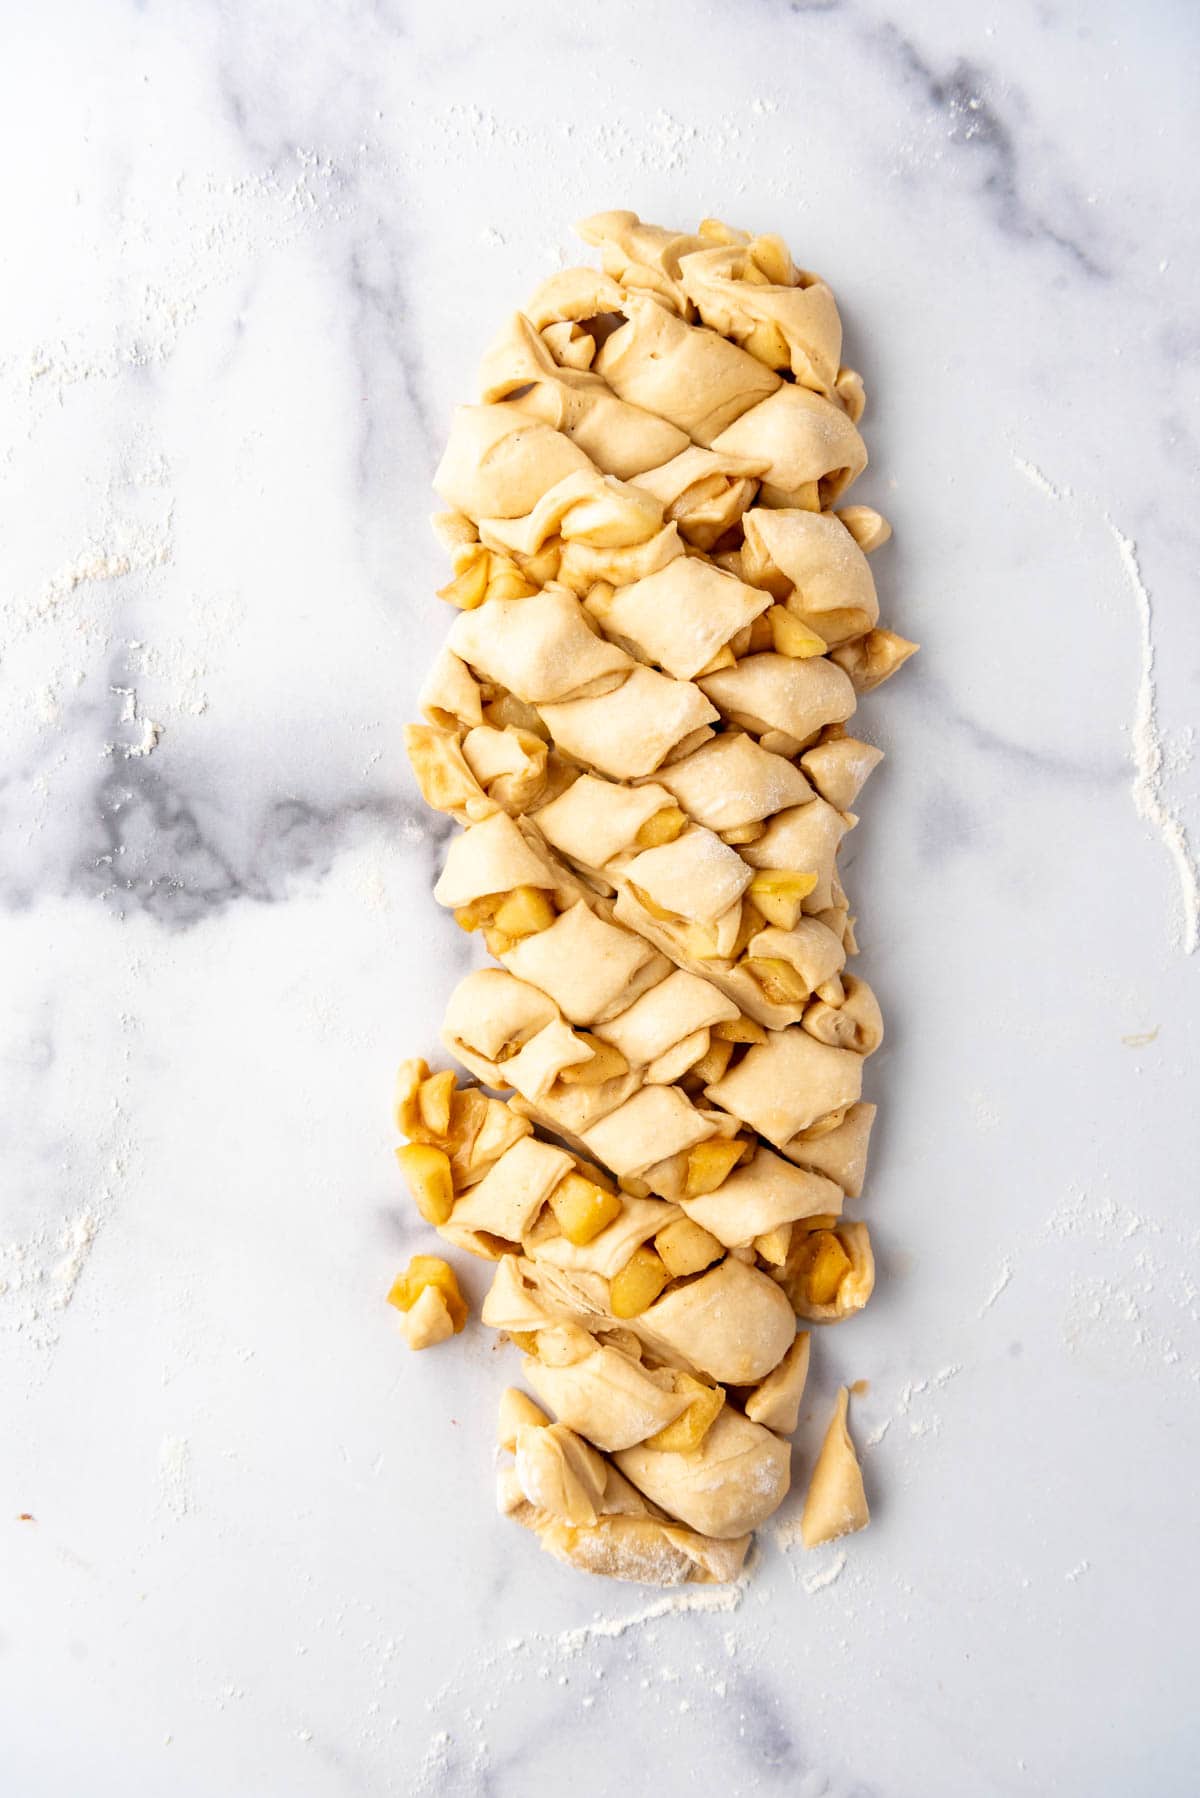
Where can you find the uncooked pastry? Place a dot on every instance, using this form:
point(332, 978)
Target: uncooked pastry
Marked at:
point(639, 722)
point(835, 1504)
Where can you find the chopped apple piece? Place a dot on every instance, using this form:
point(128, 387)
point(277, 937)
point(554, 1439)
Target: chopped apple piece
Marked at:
point(582, 1208)
point(825, 1266)
point(652, 906)
point(689, 1430)
point(638, 1284)
point(700, 941)
point(780, 982)
point(606, 1063)
point(427, 1171)
point(478, 912)
point(524, 912)
point(773, 1245)
point(434, 1098)
point(686, 1247)
point(710, 1163)
point(712, 1064)
point(779, 894)
point(791, 636)
point(424, 1271)
point(409, 1078)
point(739, 1030)
point(662, 828)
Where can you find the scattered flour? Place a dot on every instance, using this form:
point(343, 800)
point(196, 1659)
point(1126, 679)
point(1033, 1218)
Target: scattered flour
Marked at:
point(1150, 760)
point(1106, 1221)
point(1115, 1316)
point(1148, 750)
point(984, 1113)
point(432, 1771)
point(129, 548)
point(1033, 474)
point(703, 1598)
point(507, 1667)
point(175, 1475)
point(928, 1424)
point(147, 732)
point(39, 1276)
point(1002, 1281)
point(825, 1576)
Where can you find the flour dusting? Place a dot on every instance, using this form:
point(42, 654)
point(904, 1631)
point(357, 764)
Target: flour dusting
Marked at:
point(1117, 1315)
point(825, 1576)
point(39, 1276)
point(146, 732)
point(175, 1475)
point(1151, 761)
point(1042, 482)
point(1146, 744)
point(704, 1598)
point(1002, 1281)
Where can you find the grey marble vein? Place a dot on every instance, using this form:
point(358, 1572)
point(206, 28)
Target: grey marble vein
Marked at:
point(173, 856)
point(967, 96)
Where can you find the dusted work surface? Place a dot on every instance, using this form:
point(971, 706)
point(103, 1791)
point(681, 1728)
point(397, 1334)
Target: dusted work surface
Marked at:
point(247, 1542)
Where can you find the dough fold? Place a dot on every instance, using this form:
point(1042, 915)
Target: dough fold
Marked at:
point(661, 630)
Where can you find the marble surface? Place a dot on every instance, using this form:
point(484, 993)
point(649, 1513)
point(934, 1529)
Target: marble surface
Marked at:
point(251, 256)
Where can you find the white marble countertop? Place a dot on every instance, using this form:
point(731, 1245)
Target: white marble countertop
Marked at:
point(251, 256)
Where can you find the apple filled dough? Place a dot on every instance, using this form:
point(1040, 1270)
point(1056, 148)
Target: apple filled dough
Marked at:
point(639, 720)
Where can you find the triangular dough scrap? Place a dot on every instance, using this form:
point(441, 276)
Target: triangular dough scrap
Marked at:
point(836, 1502)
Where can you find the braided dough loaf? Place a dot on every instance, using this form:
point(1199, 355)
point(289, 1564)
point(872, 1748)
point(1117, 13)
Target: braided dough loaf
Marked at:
point(639, 722)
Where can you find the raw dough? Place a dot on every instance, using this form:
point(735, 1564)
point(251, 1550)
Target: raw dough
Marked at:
point(638, 722)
